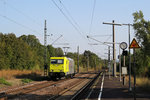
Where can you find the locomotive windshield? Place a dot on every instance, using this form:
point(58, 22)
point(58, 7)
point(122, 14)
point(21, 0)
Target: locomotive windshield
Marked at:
point(57, 61)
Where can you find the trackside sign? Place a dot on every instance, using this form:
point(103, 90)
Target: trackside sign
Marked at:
point(134, 44)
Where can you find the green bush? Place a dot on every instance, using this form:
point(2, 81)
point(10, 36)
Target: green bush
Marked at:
point(3, 81)
point(26, 80)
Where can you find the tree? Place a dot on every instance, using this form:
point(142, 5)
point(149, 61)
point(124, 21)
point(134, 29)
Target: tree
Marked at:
point(59, 52)
point(51, 50)
point(142, 33)
point(26, 52)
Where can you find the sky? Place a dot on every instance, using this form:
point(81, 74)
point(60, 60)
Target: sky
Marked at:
point(73, 19)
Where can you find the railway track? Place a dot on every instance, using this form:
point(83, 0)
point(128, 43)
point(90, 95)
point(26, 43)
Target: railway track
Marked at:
point(51, 89)
point(86, 87)
point(16, 92)
point(75, 91)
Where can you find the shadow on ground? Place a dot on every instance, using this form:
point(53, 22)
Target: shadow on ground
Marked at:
point(33, 76)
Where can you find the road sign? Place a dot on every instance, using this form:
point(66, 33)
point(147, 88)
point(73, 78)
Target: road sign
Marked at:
point(134, 44)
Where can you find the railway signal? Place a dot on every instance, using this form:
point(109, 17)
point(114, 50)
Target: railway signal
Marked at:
point(123, 46)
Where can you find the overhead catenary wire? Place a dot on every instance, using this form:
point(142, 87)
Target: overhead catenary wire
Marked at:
point(11, 20)
point(68, 18)
point(91, 21)
point(75, 22)
point(108, 38)
point(92, 17)
point(56, 39)
point(20, 12)
point(100, 35)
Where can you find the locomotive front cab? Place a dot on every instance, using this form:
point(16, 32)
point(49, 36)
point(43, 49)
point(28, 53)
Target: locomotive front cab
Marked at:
point(58, 67)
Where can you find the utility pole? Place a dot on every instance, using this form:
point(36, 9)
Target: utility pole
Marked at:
point(114, 53)
point(45, 51)
point(78, 59)
point(130, 89)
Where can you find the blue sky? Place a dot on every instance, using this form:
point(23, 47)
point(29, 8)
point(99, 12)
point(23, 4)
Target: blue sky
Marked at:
point(27, 17)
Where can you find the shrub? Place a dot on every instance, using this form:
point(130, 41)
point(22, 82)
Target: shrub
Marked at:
point(3, 81)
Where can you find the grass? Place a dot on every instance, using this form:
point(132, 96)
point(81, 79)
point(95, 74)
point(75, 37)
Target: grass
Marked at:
point(3, 81)
point(143, 83)
point(18, 77)
point(26, 80)
point(11, 74)
point(84, 69)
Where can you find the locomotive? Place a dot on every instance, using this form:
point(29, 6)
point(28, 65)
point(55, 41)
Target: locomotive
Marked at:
point(61, 67)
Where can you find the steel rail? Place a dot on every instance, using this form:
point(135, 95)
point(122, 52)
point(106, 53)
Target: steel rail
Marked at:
point(13, 93)
point(78, 94)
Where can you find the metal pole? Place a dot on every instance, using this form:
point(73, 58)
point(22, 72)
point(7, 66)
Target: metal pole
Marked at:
point(134, 75)
point(95, 65)
point(124, 74)
point(45, 54)
point(78, 60)
point(124, 61)
point(120, 63)
point(130, 89)
point(109, 59)
point(87, 62)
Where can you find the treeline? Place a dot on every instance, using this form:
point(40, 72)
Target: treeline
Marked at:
point(26, 52)
point(88, 58)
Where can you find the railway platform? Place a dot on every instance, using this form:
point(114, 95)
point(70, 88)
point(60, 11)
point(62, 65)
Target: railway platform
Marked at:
point(112, 89)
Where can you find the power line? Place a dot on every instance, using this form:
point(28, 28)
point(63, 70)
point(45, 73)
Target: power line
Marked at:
point(100, 35)
point(28, 17)
point(75, 22)
point(92, 16)
point(56, 39)
point(108, 38)
point(90, 28)
point(72, 18)
point(71, 22)
point(5, 17)
point(68, 19)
